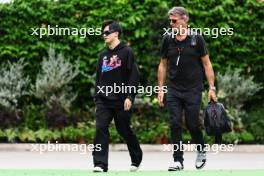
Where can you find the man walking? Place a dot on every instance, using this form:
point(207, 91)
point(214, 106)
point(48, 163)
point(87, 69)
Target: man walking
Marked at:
point(187, 59)
point(116, 68)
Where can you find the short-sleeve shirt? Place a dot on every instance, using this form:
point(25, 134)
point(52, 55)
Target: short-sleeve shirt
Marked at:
point(186, 71)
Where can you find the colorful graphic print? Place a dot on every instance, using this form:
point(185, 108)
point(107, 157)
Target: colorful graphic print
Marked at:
point(111, 64)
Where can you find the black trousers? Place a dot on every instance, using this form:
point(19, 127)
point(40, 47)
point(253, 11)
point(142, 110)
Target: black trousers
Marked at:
point(189, 102)
point(104, 115)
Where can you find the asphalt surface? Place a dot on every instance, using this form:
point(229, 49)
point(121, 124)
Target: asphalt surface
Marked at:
point(120, 160)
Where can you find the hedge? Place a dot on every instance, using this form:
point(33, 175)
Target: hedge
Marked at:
point(143, 22)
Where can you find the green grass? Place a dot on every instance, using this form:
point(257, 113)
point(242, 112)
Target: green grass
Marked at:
point(42, 172)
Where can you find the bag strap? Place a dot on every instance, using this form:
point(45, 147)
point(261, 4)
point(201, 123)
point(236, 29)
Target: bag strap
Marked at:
point(193, 39)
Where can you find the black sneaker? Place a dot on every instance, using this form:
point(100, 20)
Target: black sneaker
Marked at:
point(176, 166)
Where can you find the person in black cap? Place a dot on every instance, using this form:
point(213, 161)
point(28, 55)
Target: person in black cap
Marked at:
point(186, 56)
point(116, 68)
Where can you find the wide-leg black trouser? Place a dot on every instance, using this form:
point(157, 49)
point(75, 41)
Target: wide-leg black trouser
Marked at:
point(104, 116)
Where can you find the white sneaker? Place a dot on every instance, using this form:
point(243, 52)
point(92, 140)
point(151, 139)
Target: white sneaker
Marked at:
point(200, 160)
point(133, 168)
point(176, 166)
point(98, 169)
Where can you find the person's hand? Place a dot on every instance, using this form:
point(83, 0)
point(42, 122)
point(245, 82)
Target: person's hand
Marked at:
point(212, 96)
point(127, 104)
point(160, 98)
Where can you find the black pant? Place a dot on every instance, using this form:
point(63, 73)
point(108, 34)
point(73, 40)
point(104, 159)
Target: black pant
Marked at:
point(104, 116)
point(190, 102)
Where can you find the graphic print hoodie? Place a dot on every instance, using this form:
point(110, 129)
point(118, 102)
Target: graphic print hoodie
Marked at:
point(116, 68)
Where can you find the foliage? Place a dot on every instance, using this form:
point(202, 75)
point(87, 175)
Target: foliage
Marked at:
point(143, 23)
point(235, 138)
point(13, 84)
point(11, 134)
point(34, 117)
point(234, 88)
point(254, 122)
point(52, 83)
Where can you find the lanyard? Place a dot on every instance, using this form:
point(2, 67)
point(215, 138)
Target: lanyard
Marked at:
point(179, 55)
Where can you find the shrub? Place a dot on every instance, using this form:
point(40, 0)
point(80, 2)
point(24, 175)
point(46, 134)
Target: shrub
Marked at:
point(34, 117)
point(53, 87)
point(254, 122)
point(13, 86)
point(234, 88)
point(53, 82)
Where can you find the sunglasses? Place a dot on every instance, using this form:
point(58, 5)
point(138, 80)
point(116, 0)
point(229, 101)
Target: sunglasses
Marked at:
point(173, 21)
point(106, 33)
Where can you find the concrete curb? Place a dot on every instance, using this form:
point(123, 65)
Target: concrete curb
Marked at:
point(6, 147)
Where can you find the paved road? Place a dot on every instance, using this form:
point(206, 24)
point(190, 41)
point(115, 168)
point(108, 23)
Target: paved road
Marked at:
point(120, 160)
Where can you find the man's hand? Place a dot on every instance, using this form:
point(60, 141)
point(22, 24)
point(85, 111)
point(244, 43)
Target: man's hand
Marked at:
point(160, 98)
point(127, 104)
point(212, 96)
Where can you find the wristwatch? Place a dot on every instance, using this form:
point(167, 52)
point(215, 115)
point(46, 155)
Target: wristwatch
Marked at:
point(212, 88)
